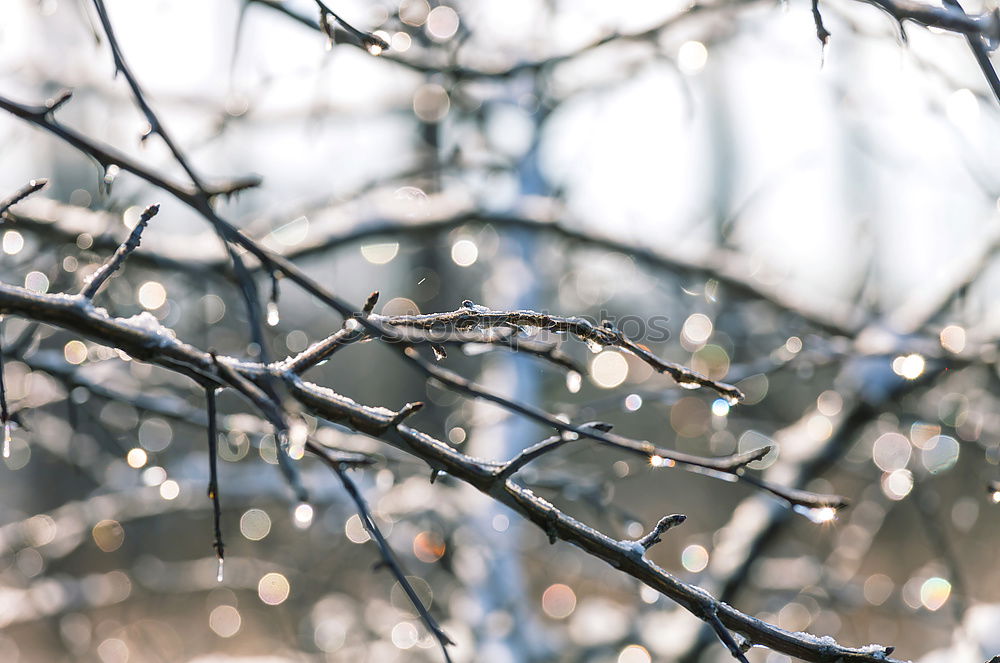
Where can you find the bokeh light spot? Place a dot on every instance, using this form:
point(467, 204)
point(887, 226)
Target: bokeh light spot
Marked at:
point(953, 339)
point(355, 530)
point(558, 601)
point(225, 620)
point(13, 242)
point(697, 329)
point(170, 489)
point(694, 558)
point(428, 547)
point(136, 458)
point(273, 588)
point(255, 524)
point(898, 484)
point(75, 352)
point(442, 23)
point(464, 252)
point(891, 452)
point(910, 366)
point(380, 254)
point(108, 535)
point(152, 295)
point(431, 103)
point(608, 369)
point(934, 593)
point(634, 654)
point(691, 57)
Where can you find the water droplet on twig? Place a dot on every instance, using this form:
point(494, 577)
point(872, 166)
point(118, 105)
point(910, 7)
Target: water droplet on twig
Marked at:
point(273, 316)
point(817, 514)
point(573, 382)
point(110, 173)
point(303, 515)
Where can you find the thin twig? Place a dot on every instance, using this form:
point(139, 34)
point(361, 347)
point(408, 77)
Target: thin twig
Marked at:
point(213, 481)
point(320, 351)
point(371, 42)
point(473, 317)
point(4, 412)
point(22, 193)
point(665, 523)
point(726, 637)
point(270, 407)
point(105, 271)
point(731, 464)
point(821, 32)
point(546, 446)
point(980, 46)
point(155, 126)
point(385, 549)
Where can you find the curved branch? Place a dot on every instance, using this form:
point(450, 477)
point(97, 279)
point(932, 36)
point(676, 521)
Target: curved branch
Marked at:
point(146, 339)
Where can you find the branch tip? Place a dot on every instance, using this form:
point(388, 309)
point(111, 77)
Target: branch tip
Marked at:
point(53, 104)
point(821, 32)
point(666, 523)
point(31, 187)
point(406, 411)
point(370, 303)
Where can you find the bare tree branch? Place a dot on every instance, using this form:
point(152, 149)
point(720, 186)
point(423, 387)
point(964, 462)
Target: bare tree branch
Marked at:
point(151, 343)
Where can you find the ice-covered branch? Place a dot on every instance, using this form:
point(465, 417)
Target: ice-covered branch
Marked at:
point(145, 339)
point(22, 193)
point(664, 524)
point(107, 270)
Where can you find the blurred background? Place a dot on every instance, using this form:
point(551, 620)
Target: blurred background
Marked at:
point(816, 225)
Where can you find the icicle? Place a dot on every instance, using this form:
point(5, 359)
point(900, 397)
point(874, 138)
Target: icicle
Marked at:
point(594, 346)
point(6, 439)
point(273, 316)
point(110, 173)
point(222, 564)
